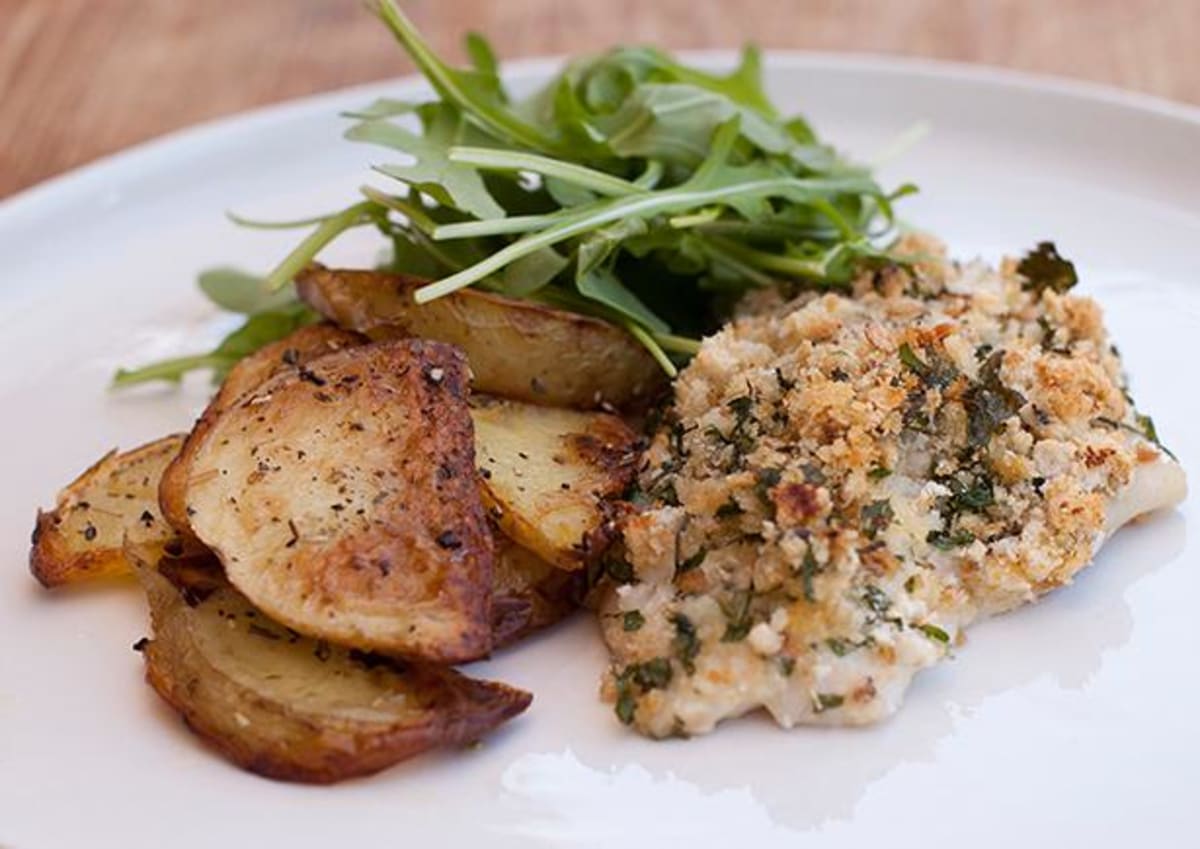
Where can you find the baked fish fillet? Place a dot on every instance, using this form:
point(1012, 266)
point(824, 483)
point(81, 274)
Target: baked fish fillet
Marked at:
point(845, 482)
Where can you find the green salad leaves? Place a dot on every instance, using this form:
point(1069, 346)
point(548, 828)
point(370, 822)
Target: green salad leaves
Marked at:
point(629, 187)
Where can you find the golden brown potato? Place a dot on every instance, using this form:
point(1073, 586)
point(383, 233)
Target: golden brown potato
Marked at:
point(82, 537)
point(293, 708)
point(342, 500)
point(517, 349)
point(528, 593)
point(288, 354)
point(549, 476)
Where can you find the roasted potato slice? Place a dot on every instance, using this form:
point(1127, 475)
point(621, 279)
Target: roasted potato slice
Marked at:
point(517, 349)
point(549, 475)
point(288, 354)
point(293, 708)
point(528, 593)
point(82, 537)
point(342, 500)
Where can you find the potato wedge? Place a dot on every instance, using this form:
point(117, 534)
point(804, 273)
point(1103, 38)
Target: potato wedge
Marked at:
point(528, 593)
point(288, 354)
point(342, 499)
point(549, 475)
point(517, 349)
point(293, 708)
point(82, 537)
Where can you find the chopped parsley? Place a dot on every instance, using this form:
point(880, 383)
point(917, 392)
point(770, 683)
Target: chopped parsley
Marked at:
point(989, 402)
point(686, 642)
point(933, 632)
point(618, 569)
point(949, 540)
point(876, 517)
point(968, 494)
point(738, 618)
point(626, 706)
point(840, 648)
point(1043, 268)
point(828, 701)
point(1151, 432)
point(633, 620)
point(936, 373)
point(729, 509)
point(766, 480)
point(809, 569)
point(876, 600)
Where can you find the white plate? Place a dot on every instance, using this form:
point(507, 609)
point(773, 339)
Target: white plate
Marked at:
point(1074, 719)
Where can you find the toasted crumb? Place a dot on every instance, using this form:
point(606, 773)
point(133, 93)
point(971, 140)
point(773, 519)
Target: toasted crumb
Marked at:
point(845, 481)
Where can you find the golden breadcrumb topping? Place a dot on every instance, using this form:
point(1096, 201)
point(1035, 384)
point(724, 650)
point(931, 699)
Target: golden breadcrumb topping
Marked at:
point(845, 480)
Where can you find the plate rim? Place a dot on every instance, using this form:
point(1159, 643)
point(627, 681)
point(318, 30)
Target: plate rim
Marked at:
point(213, 131)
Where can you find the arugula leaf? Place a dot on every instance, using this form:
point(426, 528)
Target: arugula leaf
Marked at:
point(238, 291)
point(602, 286)
point(383, 107)
point(258, 330)
point(532, 272)
point(629, 187)
point(483, 58)
point(433, 173)
point(476, 93)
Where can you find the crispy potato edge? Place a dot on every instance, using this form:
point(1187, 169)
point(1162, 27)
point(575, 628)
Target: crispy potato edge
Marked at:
point(53, 560)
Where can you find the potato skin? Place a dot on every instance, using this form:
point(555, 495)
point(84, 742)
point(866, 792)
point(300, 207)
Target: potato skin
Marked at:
point(342, 500)
point(293, 708)
point(288, 354)
point(529, 594)
point(517, 349)
point(82, 538)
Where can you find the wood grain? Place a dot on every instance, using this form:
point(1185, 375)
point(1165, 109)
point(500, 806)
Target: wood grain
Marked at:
point(81, 78)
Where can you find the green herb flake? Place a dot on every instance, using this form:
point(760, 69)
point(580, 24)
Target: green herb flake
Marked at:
point(1043, 268)
point(766, 480)
point(633, 620)
point(686, 642)
point(813, 474)
point(989, 402)
point(974, 497)
point(937, 373)
point(948, 541)
point(729, 509)
point(638, 678)
point(935, 633)
point(829, 701)
point(626, 705)
point(840, 648)
point(1151, 432)
point(808, 572)
point(618, 569)
point(737, 614)
point(876, 517)
point(653, 674)
point(741, 407)
point(910, 359)
point(876, 600)
point(879, 473)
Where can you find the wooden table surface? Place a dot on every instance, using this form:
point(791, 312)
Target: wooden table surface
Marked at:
point(82, 78)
